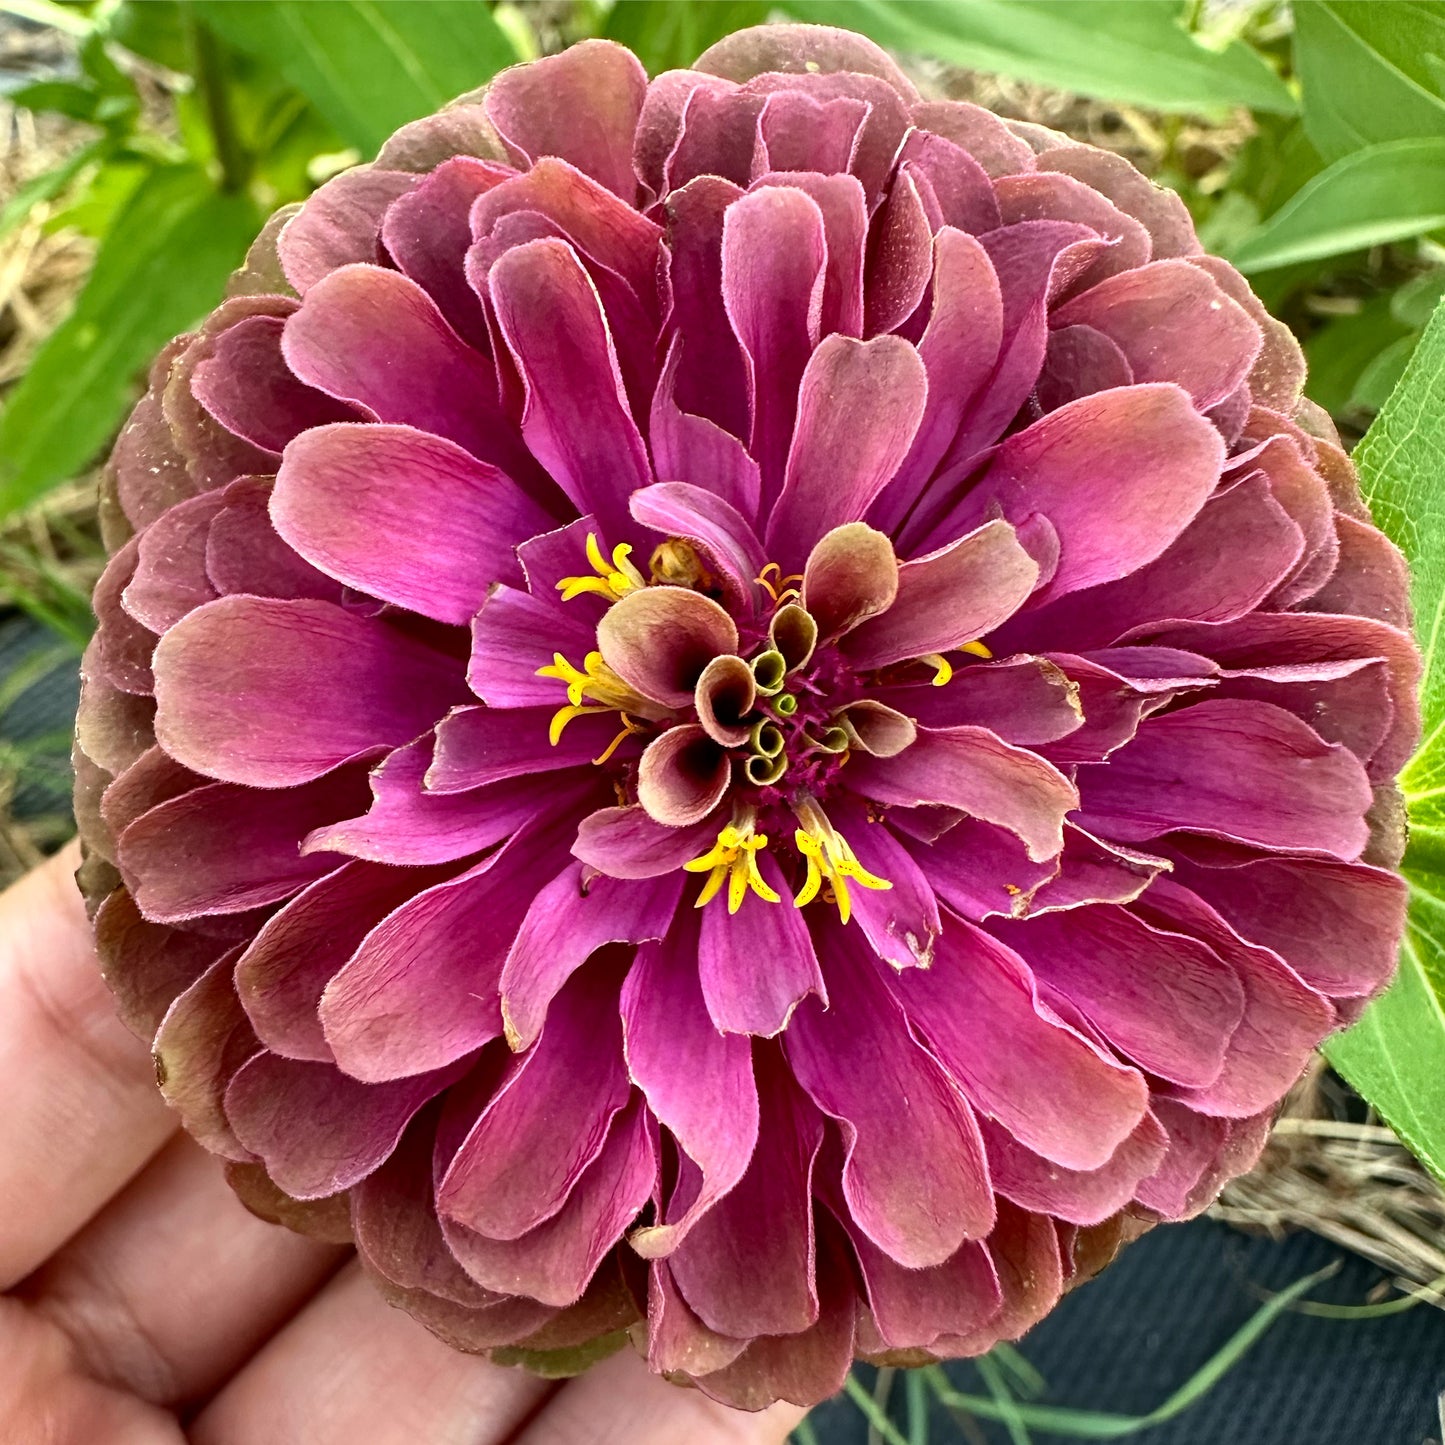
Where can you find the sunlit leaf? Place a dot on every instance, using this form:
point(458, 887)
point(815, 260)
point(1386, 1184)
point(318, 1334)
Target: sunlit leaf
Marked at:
point(159, 269)
point(369, 66)
point(1127, 50)
point(1395, 1055)
point(1370, 72)
point(1389, 192)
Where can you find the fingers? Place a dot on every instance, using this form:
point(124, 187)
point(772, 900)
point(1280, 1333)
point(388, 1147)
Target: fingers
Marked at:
point(82, 1112)
point(619, 1403)
point(351, 1370)
point(45, 1400)
point(175, 1284)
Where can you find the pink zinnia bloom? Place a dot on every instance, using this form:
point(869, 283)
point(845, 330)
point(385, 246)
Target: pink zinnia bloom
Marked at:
point(746, 710)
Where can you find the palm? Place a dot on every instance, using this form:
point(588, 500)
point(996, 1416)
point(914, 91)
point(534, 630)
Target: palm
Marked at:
point(147, 1307)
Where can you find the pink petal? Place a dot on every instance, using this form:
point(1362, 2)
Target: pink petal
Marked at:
point(428, 231)
point(1168, 1002)
point(421, 988)
point(375, 339)
point(1174, 324)
point(451, 523)
point(480, 745)
point(952, 596)
point(281, 975)
point(408, 825)
point(1284, 1019)
point(271, 693)
point(1235, 769)
point(1119, 475)
point(339, 224)
point(576, 419)
point(747, 1267)
point(972, 769)
point(697, 1081)
point(204, 1038)
point(555, 1262)
point(627, 843)
point(317, 1131)
point(911, 1308)
point(758, 964)
point(1054, 1090)
point(246, 385)
point(848, 443)
point(1075, 1196)
point(1337, 925)
point(547, 1122)
point(774, 255)
point(914, 1174)
point(220, 849)
point(568, 920)
point(582, 105)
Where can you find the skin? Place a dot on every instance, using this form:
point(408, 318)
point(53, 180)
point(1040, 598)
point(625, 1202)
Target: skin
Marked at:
point(146, 1306)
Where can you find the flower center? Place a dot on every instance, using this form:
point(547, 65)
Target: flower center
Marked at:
point(748, 704)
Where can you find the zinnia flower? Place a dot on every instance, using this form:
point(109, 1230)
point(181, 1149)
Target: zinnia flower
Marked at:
point(746, 710)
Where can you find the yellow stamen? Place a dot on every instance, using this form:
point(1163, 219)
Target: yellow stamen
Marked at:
point(630, 728)
point(676, 563)
point(978, 650)
point(592, 688)
point(781, 589)
point(829, 859)
point(614, 579)
point(942, 667)
point(733, 860)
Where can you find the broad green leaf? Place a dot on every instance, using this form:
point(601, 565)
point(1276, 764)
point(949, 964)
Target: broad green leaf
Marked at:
point(669, 37)
point(1342, 349)
point(1387, 193)
point(369, 66)
point(1136, 51)
point(1395, 1055)
point(160, 268)
point(1370, 72)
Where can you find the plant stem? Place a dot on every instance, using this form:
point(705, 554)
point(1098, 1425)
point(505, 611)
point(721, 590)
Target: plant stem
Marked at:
point(231, 155)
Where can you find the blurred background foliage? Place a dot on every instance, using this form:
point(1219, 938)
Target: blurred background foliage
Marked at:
point(142, 142)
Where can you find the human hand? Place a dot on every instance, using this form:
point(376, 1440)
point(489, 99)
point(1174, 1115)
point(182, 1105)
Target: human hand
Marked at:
point(146, 1306)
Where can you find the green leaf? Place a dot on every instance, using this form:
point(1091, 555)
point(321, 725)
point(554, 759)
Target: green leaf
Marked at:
point(1395, 1055)
point(670, 37)
point(1342, 349)
point(369, 66)
point(159, 269)
point(1135, 51)
point(49, 184)
point(1387, 193)
point(1370, 72)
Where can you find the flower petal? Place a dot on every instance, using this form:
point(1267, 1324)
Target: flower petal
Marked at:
point(576, 418)
point(1119, 474)
point(698, 1081)
point(271, 693)
point(757, 964)
point(568, 920)
point(1053, 1090)
point(914, 1174)
point(547, 1122)
point(973, 769)
point(955, 595)
point(451, 523)
point(1168, 1002)
point(1234, 769)
point(859, 406)
point(582, 105)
